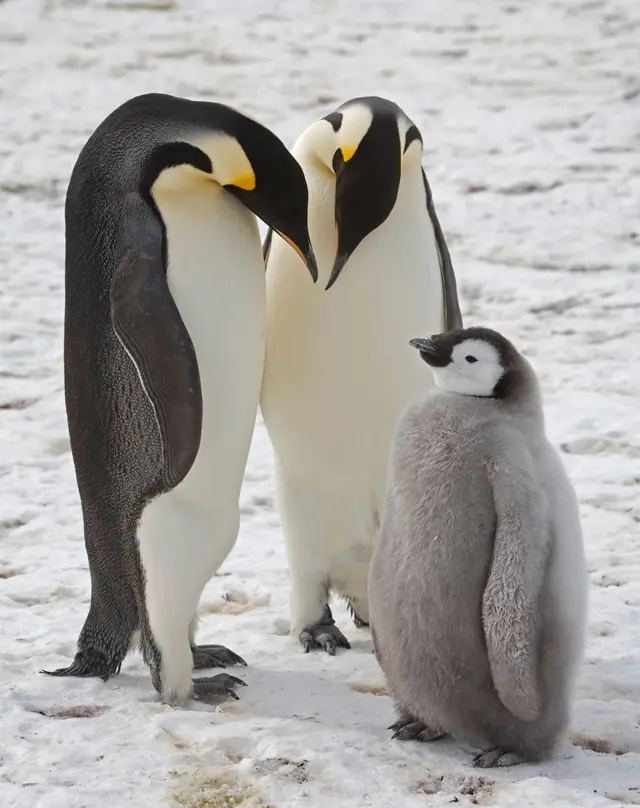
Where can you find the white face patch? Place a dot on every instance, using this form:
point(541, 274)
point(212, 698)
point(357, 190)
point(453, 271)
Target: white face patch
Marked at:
point(474, 370)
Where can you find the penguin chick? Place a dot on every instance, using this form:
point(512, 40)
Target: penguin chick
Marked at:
point(478, 585)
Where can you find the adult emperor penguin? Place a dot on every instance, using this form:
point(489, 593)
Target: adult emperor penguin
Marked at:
point(478, 584)
point(164, 351)
point(329, 408)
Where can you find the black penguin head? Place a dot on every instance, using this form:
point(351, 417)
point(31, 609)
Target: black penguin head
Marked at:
point(475, 362)
point(365, 144)
point(272, 185)
point(248, 161)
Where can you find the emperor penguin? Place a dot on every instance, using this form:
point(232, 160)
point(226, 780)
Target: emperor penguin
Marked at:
point(478, 585)
point(163, 354)
point(330, 408)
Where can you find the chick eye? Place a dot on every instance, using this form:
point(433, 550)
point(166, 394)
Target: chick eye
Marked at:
point(471, 359)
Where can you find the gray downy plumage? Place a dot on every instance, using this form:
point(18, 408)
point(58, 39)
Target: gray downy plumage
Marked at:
point(478, 588)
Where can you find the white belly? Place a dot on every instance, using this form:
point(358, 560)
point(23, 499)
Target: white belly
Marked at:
point(338, 367)
point(216, 277)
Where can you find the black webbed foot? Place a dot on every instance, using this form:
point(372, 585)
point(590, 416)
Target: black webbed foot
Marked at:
point(498, 757)
point(215, 689)
point(409, 729)
point(214, 656)
point(323, 634)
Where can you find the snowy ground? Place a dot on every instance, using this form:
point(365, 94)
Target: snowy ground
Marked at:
point(531, 118)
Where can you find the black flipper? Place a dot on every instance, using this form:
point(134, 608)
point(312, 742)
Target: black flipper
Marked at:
point(266, 247)
point(452, 314)
point(149, 326)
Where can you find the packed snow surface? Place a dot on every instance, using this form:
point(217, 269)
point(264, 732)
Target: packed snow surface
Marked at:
point(530, 113)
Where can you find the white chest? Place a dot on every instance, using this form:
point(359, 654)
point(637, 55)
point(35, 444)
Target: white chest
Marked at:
point(216, 277)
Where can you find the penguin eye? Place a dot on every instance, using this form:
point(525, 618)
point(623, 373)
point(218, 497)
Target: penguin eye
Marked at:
point(471, 359)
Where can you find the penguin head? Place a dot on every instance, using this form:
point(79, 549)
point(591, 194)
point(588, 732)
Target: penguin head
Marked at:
point(364, 145)
point(253, 164)
point(474, 362)
point(271, 183)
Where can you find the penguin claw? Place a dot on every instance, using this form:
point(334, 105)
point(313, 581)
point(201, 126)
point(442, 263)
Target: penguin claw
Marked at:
point(412, 730)
point(214, 656)
point(214, 689)
point(405, 721)
point(499, 758)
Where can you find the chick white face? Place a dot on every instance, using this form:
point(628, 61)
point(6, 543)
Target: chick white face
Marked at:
point(469, 367)
point(474, 370)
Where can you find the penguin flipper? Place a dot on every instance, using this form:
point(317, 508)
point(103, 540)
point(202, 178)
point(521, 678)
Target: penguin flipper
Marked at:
point(266, 247)
point(452, 314)
point(148, 324)
point(510, 603)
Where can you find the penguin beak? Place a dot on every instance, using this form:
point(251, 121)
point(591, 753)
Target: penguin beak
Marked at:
point(287, 216)
point(279, 195)
point(306, 254)
point(435, 355)
point(367, 183)
point(341, 260)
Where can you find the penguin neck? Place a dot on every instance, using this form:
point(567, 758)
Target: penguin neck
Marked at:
point(215, 273)
point(321, 183)
point(523, 406)
point(523, 402)
point(409, 215)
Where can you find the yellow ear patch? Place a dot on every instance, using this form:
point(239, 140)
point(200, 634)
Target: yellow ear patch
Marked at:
point(348, 152)
point(231, 166)
point(245, 181)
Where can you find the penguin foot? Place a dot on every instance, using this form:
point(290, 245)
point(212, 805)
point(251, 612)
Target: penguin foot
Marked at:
point(496, 757)
point(324, 634)
point(214, 656)
point(214, 689)
point(90, 662)
point(408, 729)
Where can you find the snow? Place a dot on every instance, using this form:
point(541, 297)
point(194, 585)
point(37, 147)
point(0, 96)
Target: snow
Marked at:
point(531, 118)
